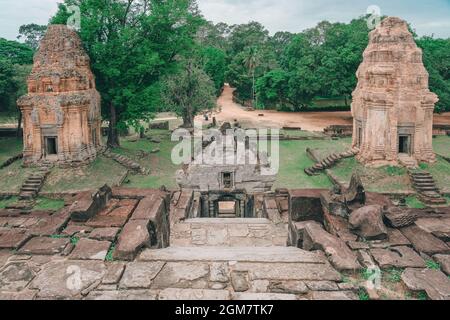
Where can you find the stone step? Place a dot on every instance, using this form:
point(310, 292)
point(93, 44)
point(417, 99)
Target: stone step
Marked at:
point(238, 254)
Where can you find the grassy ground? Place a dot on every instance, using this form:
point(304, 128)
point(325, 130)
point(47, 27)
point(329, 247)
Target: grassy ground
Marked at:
point(441, 145)
point(48, 204)
point(293, 160)
point(101, 171)
point(6, 202)
point(160, 164)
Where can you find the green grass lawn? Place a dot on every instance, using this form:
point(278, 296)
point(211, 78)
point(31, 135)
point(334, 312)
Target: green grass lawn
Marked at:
point(102, 171)
point(6, 202)
point(441, 145)
point(48, 204)
point(160, 164)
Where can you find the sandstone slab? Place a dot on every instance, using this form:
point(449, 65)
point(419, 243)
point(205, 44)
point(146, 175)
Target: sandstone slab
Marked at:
point(182, 275)
point(133, 295)
point(444, 261)
point(367, 222)
point(435, 283)
point(66, 279)
point(193, 294)
point(316, 238)
point(424, 241)
point(44, 246)
point(333, 295)
point(292, 287)
point(133, 237)
point(288, 271)
point(239, 281)
point(13, 239)
point(114, 273)
point(108, 234)
point(250, 296)
point(88, 249)
point(400, 257)
point(16, 276)
point(439, 227)
point(139, 275)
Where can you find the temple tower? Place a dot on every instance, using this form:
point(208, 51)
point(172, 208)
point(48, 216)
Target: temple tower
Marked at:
point(61, 112)
point(392, 105)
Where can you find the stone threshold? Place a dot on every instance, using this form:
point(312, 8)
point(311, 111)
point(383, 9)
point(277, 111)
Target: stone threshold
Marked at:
point(235, 254)
point(223, 221)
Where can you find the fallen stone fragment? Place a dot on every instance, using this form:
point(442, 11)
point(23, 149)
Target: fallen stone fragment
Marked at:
point(444, 261)
point(423, 241)
point(44, 246)
point(435, 283)
point(439, 227)
point(88, 249)
point(340, 256)
point(367, 222)
point(133, 237)
point(399, 257)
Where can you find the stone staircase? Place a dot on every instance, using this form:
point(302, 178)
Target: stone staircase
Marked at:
point(407, 161)
point(423, 182)
point(31, 187)
point(329, 162)
point(126, 162)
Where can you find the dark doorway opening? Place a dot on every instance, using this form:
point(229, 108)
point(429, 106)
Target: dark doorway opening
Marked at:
point(404, 144)
point(51, 145)
point(227, 180)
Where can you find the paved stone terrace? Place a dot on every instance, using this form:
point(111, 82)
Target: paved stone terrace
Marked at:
point(118, 253)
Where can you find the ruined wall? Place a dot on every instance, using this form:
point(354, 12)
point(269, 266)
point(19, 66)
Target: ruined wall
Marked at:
point(392, 97)
point(61, 103)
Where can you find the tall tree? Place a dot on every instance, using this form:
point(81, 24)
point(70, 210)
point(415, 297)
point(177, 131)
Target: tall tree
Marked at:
point(32, 34)
point(189, 92)
point(132, 44)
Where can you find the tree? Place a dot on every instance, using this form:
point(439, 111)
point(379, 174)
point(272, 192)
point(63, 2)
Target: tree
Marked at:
point(214, 64)
point(272, 89)
point(436, 57)
point(8, 87)
point(32, 34)
point(251, 62)
point(188, 92)
point(132, 44)
point(15, 52)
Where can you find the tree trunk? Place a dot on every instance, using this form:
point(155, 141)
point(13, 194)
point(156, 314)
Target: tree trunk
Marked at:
point(113, 134)
point(188, 118)
point(19, 125)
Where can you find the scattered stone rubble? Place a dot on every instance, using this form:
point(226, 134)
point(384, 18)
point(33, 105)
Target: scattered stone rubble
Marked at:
point(142, 244)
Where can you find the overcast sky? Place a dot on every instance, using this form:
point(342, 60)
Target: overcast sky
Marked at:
point(427, 16)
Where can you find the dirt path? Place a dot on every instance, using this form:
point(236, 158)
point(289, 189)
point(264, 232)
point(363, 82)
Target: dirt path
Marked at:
point(310, 121)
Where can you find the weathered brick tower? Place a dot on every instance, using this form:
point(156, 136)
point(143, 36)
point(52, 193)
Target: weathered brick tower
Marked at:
point(392, 105)
point(61, 112)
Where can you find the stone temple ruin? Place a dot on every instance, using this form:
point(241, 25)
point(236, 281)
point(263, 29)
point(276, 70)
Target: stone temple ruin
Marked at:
point(61, 112)
point(392, 105)
point(227, 186)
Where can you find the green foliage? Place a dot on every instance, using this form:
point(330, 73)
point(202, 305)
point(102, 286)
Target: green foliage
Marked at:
point(6, 202)
point(188, 92)
point(15, 52)
point(394, 275)
point(110, 254)
point(424, 166)
point(432, 265)
point(395, 171)
point(363, 295)
point(422, 295)
point(48, 204)
point(214, 64)
point(414, 203)
point(32, 34)
point(74, 240)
